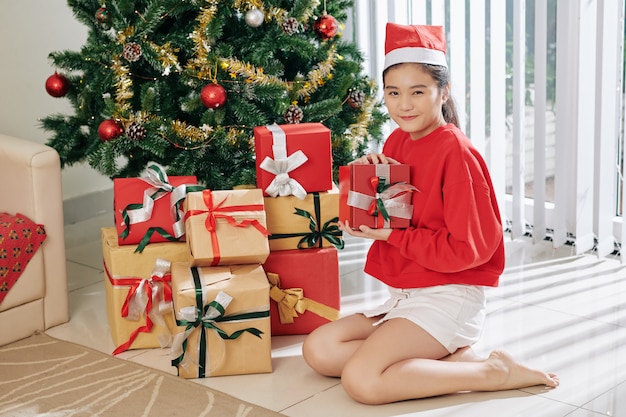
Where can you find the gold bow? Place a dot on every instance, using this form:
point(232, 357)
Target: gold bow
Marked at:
point(292, 301)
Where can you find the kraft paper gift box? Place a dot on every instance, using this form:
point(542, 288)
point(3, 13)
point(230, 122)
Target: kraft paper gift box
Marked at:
point(293, 159)
point(226, 227)
point(299, 224)
point(305, 289)
point(148, 209)
point(131, 279)
point(223, 318)
point(376, 195)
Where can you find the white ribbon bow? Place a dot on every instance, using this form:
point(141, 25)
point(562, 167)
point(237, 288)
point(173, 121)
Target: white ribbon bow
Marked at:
point(139, 301)
point(156, 176)
point(189, 314)
point(282, 165)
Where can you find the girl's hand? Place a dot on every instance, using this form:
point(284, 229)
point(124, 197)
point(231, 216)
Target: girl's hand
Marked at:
point(374, 158)
point(365, 231)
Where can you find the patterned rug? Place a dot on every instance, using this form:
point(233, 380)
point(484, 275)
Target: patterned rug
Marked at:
point(43, 376)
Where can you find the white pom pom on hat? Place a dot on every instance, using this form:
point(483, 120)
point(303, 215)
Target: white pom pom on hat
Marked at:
point(422, 44)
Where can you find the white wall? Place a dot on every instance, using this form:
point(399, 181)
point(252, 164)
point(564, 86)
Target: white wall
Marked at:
point(29, 31)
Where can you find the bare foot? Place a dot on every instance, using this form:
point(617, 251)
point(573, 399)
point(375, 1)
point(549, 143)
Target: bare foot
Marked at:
point(464, 354)
point(516, 375)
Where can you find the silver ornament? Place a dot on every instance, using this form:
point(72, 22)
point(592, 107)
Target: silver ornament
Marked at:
point(254, 18)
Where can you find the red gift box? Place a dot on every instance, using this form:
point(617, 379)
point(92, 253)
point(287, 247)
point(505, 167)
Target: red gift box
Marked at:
point(293, 159)
point(378, 196)
point(138, 223)
point(305, 289)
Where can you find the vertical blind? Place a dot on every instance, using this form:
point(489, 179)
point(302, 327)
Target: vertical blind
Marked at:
point(539, 89)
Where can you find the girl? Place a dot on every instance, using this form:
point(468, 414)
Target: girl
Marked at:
point(418, 344)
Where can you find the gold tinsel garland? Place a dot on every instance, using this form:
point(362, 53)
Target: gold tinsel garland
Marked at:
point(202, 68)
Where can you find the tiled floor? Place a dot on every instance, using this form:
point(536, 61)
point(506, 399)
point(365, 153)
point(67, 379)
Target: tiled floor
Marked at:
point(553, 310)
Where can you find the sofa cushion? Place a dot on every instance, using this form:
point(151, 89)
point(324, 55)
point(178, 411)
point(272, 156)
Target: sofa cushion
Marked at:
point(20, 238)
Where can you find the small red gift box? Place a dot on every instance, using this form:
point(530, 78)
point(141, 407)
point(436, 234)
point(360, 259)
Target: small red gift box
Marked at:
point(293, 159)
point(149, 209)
point(375, 195)
point(305, 289)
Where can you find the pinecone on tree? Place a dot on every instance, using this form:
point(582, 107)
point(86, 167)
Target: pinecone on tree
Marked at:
point(147, 70)
point(355, 98)
point(132, 52)
point(136, 131)
point(293, 115)
point(290, 26)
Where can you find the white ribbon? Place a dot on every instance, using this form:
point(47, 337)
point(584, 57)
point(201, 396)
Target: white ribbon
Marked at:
point(156, 176)
point(282, 165)
point(189, 314)
point(396, 200)
point(138, 302)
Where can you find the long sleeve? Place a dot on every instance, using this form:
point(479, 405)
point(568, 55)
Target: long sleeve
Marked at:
point(456, 232)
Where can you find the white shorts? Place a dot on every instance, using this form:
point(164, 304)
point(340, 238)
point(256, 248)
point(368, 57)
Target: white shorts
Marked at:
point(452, 314)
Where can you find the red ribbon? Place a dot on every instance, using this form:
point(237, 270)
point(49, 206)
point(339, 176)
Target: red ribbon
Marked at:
point(134, 284)
point(374, 183)
point(216, 211)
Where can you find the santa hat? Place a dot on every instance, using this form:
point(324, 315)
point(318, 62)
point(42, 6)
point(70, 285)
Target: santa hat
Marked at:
point(415, 43)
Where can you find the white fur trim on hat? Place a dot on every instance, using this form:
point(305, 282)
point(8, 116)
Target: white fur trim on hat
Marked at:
point(413, 54)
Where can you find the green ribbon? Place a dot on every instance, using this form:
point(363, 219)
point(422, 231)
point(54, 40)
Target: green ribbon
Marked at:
point(158, 230)
point(152, 230)
point(314, 237)
point(380, 204)
point(211, 324)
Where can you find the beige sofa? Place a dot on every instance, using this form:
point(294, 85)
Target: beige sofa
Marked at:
point(30, 184)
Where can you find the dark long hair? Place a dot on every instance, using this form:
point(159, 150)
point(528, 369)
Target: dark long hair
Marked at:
point(441, 75)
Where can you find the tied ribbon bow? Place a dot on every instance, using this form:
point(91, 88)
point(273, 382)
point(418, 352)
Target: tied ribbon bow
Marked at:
point(143, 296)
point(389, 200)
point(328, 230)
point(216, 211)
point(156, 176)
point(282, 165)
point(207, 317)
point(291, 302)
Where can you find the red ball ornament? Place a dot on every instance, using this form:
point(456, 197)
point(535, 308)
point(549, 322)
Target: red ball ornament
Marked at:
point(213, 95)
point(109, 129)
point(57, 85)
point(326, 26)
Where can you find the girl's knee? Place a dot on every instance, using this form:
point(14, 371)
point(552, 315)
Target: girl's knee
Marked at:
point(361, 385)
point(315, 354)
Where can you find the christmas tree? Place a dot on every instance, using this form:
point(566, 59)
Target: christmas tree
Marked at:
point(184, 82)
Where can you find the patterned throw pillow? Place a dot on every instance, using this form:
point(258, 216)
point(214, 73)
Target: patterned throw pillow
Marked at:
point(20, 238)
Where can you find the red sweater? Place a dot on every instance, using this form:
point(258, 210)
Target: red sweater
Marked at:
point(456, 234)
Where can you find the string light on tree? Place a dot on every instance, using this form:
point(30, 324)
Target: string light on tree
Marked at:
point(57, 85)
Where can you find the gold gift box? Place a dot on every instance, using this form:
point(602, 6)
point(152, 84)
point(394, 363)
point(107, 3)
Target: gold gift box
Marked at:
point(245, 354)
point(121, 262)
point(240, 229)
point(289, 221)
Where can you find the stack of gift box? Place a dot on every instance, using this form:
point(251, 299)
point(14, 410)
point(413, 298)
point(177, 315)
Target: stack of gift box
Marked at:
point(213, 274)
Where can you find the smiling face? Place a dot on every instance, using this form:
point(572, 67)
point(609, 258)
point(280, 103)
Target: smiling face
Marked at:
point(413, 99)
